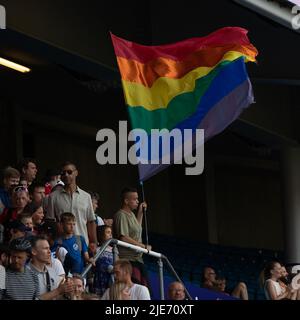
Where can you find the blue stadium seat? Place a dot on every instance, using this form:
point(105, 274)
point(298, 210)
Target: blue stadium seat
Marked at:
point(189, 257)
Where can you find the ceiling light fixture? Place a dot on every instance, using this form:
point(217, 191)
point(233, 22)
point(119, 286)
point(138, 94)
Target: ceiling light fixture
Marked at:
point(13, 65)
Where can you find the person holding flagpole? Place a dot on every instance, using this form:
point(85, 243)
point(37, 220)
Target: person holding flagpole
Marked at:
point(127, 227)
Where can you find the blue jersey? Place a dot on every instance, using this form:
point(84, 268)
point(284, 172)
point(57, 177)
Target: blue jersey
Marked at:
point(74, 260)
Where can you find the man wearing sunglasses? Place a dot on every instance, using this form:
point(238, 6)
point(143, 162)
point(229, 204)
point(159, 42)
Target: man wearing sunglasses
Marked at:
point(75, 200)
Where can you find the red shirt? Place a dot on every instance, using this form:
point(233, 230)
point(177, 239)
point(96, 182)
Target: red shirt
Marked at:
point(48, 188)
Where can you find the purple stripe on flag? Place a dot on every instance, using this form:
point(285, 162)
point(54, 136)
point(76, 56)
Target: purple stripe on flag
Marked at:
point(217, 119)
point(227, 110)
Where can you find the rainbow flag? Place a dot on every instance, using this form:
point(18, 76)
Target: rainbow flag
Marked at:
point(198, 83)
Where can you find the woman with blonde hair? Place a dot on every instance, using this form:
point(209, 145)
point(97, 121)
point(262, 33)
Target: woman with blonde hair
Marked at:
point(119, 291)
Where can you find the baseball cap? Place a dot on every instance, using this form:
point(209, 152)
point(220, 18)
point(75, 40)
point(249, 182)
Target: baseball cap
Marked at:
point(18, 225)
point(49, 227)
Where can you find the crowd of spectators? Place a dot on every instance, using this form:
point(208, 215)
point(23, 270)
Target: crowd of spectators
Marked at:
point(50, 231)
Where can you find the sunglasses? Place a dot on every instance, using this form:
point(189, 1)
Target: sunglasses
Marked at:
point(20, 189)
point(69, 172)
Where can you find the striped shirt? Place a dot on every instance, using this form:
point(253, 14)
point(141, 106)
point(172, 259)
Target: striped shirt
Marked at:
point(2, 281)
point(21, 285)
point(2, 277)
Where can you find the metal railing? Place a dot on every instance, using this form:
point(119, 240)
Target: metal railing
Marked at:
point(159, 256)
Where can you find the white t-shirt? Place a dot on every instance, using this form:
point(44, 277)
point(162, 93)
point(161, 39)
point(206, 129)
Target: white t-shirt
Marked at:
point(99, 221)
point(62, 252)
point(137, 292)
point(57, 266)
point(279, 290)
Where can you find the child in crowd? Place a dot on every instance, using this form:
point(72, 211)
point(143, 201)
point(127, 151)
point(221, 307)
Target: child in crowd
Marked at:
point(26, 219)
point(37, 215)
point(76, 246)
point(104, 265)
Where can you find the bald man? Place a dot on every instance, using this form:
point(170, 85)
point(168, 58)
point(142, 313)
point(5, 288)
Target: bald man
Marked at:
point(176, 291)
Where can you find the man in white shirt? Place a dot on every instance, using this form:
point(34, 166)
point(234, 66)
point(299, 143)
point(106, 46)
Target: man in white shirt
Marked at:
point(50, 285)
point(123, 272)
point(75, 200)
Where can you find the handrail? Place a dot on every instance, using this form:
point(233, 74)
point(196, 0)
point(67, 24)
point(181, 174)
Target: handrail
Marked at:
point(151, 253)
point(177, 277)
point(98, 254)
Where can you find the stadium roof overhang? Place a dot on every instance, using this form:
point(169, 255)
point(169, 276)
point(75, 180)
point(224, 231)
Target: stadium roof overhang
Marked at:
point(280, 11)
point(59, 83)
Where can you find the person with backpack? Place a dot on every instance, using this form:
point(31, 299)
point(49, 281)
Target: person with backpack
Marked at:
point(77, 256)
